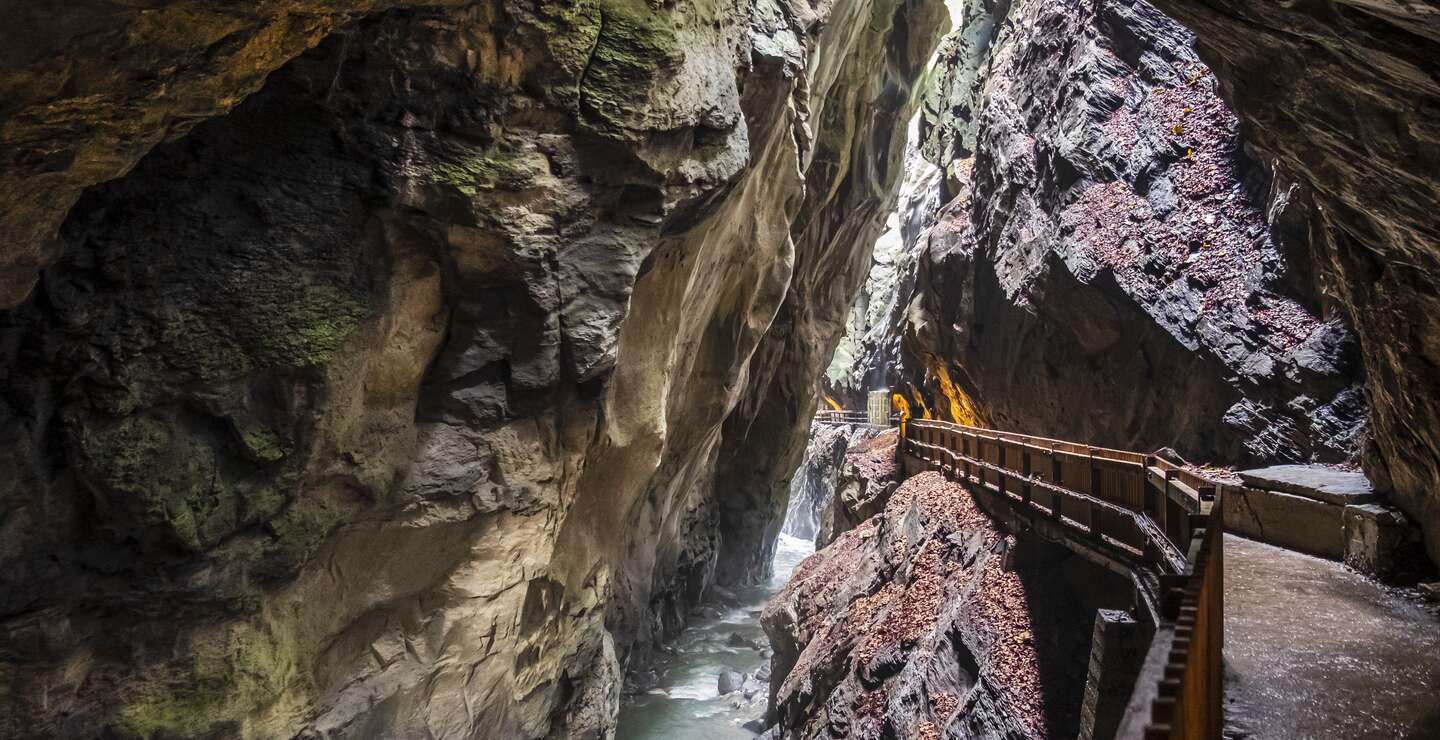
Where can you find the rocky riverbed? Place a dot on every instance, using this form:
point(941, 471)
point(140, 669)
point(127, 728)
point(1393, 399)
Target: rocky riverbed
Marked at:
point(714, 680)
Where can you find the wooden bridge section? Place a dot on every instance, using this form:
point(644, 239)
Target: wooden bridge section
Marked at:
point(1148, 515)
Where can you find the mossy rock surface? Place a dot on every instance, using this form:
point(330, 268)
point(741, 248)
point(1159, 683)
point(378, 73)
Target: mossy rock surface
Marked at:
point(234, 673)
point(471, 170)
point(309, 328)
point(159, 475)
point(637, 44)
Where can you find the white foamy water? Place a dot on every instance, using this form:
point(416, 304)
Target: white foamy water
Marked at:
point(687, 704)
point(789, 551)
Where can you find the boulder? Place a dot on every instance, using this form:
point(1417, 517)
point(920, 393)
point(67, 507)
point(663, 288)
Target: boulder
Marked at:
point(738, 640)
point(730, 682)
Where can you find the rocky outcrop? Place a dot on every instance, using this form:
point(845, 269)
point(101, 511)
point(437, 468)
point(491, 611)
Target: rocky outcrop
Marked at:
point(867, 475)
point(928, 621)
point(92, 86)
point(812, 488)
point(390, 403)
point(1341, 98)
point(1108, 263)
point(813, 484)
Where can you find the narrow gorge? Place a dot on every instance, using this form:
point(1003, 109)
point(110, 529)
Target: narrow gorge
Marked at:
point(532, 369)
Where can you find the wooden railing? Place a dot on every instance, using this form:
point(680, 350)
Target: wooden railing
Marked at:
point(830, 416)
point(1143, 509)
point(1181, 699)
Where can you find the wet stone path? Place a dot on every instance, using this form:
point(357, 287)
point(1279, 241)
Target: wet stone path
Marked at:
point(1314, 650)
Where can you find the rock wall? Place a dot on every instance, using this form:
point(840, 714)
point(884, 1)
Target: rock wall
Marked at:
point(927, 621)
point(89, 87)
point(813, 486)
point(1106, 262)
point(390, 403)
point(871, 346)
point(1341, 98)
point(865, 478)
point(850, 179)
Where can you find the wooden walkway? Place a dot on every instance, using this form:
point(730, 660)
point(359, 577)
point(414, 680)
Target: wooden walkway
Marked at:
point(1130, 510)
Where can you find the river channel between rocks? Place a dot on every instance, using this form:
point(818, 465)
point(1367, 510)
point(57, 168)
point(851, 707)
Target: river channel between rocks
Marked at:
point(687, 702)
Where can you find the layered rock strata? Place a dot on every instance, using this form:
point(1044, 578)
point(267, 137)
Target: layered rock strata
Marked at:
point(1106, 262)
point(390, 403)
point(1342, 98)
point(928, 621)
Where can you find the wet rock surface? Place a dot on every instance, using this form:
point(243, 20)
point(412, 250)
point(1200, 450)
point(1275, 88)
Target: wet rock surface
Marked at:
point(1341, 97)
point(1314, 650)
point(1105, 261)
point(390, 403)
point(813, 487)
point(926, 621)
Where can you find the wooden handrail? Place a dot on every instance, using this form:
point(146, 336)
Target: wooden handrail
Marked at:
point(1171, 559)
point(1157, 511)
point(831, 416)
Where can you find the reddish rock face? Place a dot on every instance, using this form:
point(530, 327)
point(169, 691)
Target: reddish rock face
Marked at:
point(1104, 261)
point(926, 620)
point(1340, 96)
point(1114, 254)
point(1229, 282)
point(864, 480)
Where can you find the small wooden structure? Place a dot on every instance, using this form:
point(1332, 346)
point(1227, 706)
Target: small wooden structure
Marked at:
point(877, 407)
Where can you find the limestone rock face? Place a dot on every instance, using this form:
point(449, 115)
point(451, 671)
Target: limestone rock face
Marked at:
point(928, 621)
point(90, 86)
point(1342, 97)
point(1106, 262)
point(389, 403)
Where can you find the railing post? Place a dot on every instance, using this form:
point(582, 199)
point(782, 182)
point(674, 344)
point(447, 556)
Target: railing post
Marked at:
point(1096, 490)
point(1057, 478)
point(1000, 466)
point(956, 461)
point(965, 450)
point(1147, 499)
point(1025, 469)
point(1162, 517)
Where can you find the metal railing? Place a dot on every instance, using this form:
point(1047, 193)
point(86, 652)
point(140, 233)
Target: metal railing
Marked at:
point(1138, 508)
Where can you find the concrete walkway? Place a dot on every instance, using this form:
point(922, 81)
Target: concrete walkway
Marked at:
point(1313, 650)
